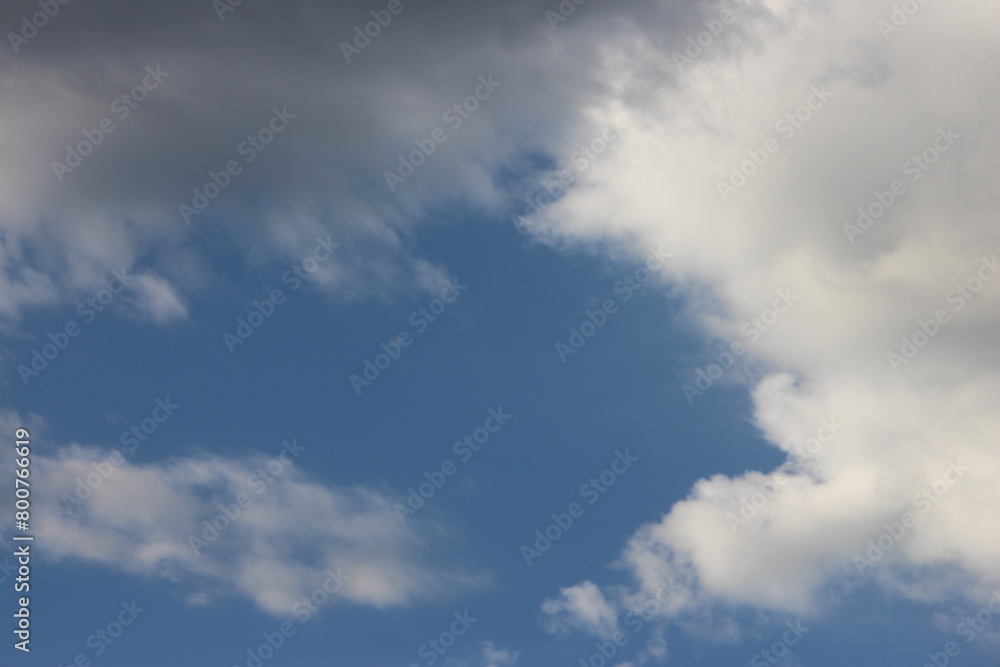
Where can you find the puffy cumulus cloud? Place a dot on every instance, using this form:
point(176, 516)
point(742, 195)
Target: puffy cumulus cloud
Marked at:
point(255, 527)
point(814, 152)
point(581, 607)
point(117, 115)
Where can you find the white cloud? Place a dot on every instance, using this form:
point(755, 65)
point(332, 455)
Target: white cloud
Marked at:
point(827, 356)
point(581, 607)
point(783, 228)
point(293, 530)
point(495, 657)
point(157, 299)
point(489, 656)
point(656, 648)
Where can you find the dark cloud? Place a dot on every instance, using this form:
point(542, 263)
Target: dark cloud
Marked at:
point(325, 171)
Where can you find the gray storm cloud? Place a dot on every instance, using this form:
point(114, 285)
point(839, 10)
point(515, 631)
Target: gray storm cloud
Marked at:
point(119, 115)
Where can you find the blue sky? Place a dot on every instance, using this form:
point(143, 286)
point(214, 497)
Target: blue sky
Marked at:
point(727, 468)
point(494, 348)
